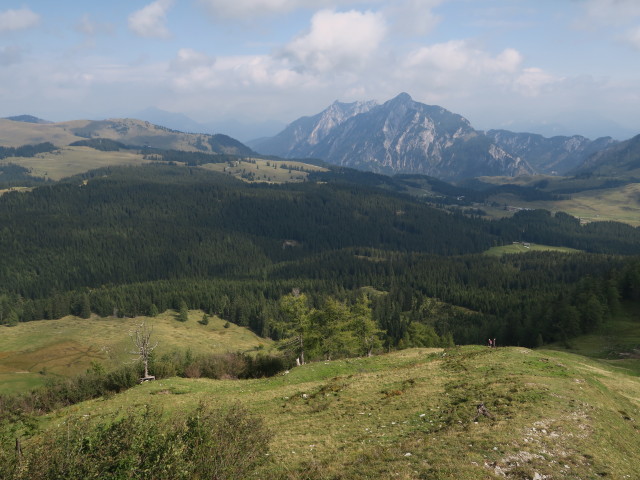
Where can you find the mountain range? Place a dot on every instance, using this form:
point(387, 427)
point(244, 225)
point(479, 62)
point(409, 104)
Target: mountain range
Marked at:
point(556, 155)
point(400, 136)
point(405, 136)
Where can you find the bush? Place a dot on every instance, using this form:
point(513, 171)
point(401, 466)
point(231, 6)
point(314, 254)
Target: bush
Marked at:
point(61, 392)
point(267, 366)
point(226, 365)
point(208, 443)
point(235, 365)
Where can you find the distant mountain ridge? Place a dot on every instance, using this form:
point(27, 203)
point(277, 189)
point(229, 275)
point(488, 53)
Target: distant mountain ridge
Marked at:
point(242, 130)
point(27, 119)
point(127, 131)
point(619, 159)
point(399, 136)
point(556, 155)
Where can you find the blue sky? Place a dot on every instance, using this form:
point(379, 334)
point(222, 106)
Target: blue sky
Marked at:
point(549, 66)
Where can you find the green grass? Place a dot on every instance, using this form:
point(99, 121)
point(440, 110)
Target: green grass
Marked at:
point(410, 415)
point(523, 248)
point(620, 204)
point(31, 351)
point(617, 343)
point(69, 161)
point(268, 171)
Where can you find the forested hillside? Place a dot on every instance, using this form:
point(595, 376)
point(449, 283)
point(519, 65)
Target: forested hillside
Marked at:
point(126, 241)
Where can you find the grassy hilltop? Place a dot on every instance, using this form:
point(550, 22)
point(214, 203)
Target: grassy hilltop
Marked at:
point(410, 415)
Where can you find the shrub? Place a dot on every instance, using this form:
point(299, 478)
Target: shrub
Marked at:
point(235, 365)
point(267, 366)
point(59, 392)
point(208, 443)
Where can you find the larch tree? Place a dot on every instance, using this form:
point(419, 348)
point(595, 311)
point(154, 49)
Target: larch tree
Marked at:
point(296, 328)
point(364, 327)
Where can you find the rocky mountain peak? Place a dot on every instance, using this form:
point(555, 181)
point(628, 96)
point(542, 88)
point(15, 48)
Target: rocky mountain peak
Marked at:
point(399, 136)
point(400, 99)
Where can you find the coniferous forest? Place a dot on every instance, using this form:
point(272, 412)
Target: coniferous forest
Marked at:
point(136, 240)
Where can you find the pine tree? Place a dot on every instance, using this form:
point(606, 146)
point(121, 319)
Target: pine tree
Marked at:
point(183, 314)
point(85, 306)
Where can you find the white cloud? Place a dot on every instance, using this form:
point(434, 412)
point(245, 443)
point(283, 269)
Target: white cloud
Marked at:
point(257, 8)
point(87, 26)
point(150, 21)
point(244, 8)
point(194, 73)
point(11, 20)
point(188, 59)
point(414, 17)
point(459, 56)
point(532, 81)
point(338, 40)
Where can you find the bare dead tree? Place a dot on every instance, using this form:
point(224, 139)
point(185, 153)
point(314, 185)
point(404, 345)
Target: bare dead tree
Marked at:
point(141, 338)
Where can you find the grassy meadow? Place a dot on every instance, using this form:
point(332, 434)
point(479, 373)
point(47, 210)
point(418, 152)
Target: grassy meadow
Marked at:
point(621, 204)
point(411, 415)
point(268, 171)
point(15, 134)
point(29, 352)
point(523, 247)
point(69, 161)
point(616, 344)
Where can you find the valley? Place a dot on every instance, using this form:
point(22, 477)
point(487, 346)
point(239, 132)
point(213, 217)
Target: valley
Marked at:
point(384, 288)
point(319, 240)
point(618, 204)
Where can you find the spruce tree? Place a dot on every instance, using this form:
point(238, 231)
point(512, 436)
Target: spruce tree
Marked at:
point(183, 314)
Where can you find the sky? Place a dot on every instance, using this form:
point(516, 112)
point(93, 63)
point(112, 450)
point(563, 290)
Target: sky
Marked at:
point(545, 66)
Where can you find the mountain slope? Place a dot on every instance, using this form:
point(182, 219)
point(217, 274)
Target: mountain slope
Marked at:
point(305, 133)
point(556, 155)
point(127, 131)
point(622, 159)
point(399, 136)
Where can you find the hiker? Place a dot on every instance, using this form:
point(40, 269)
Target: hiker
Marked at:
point(490, 343)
